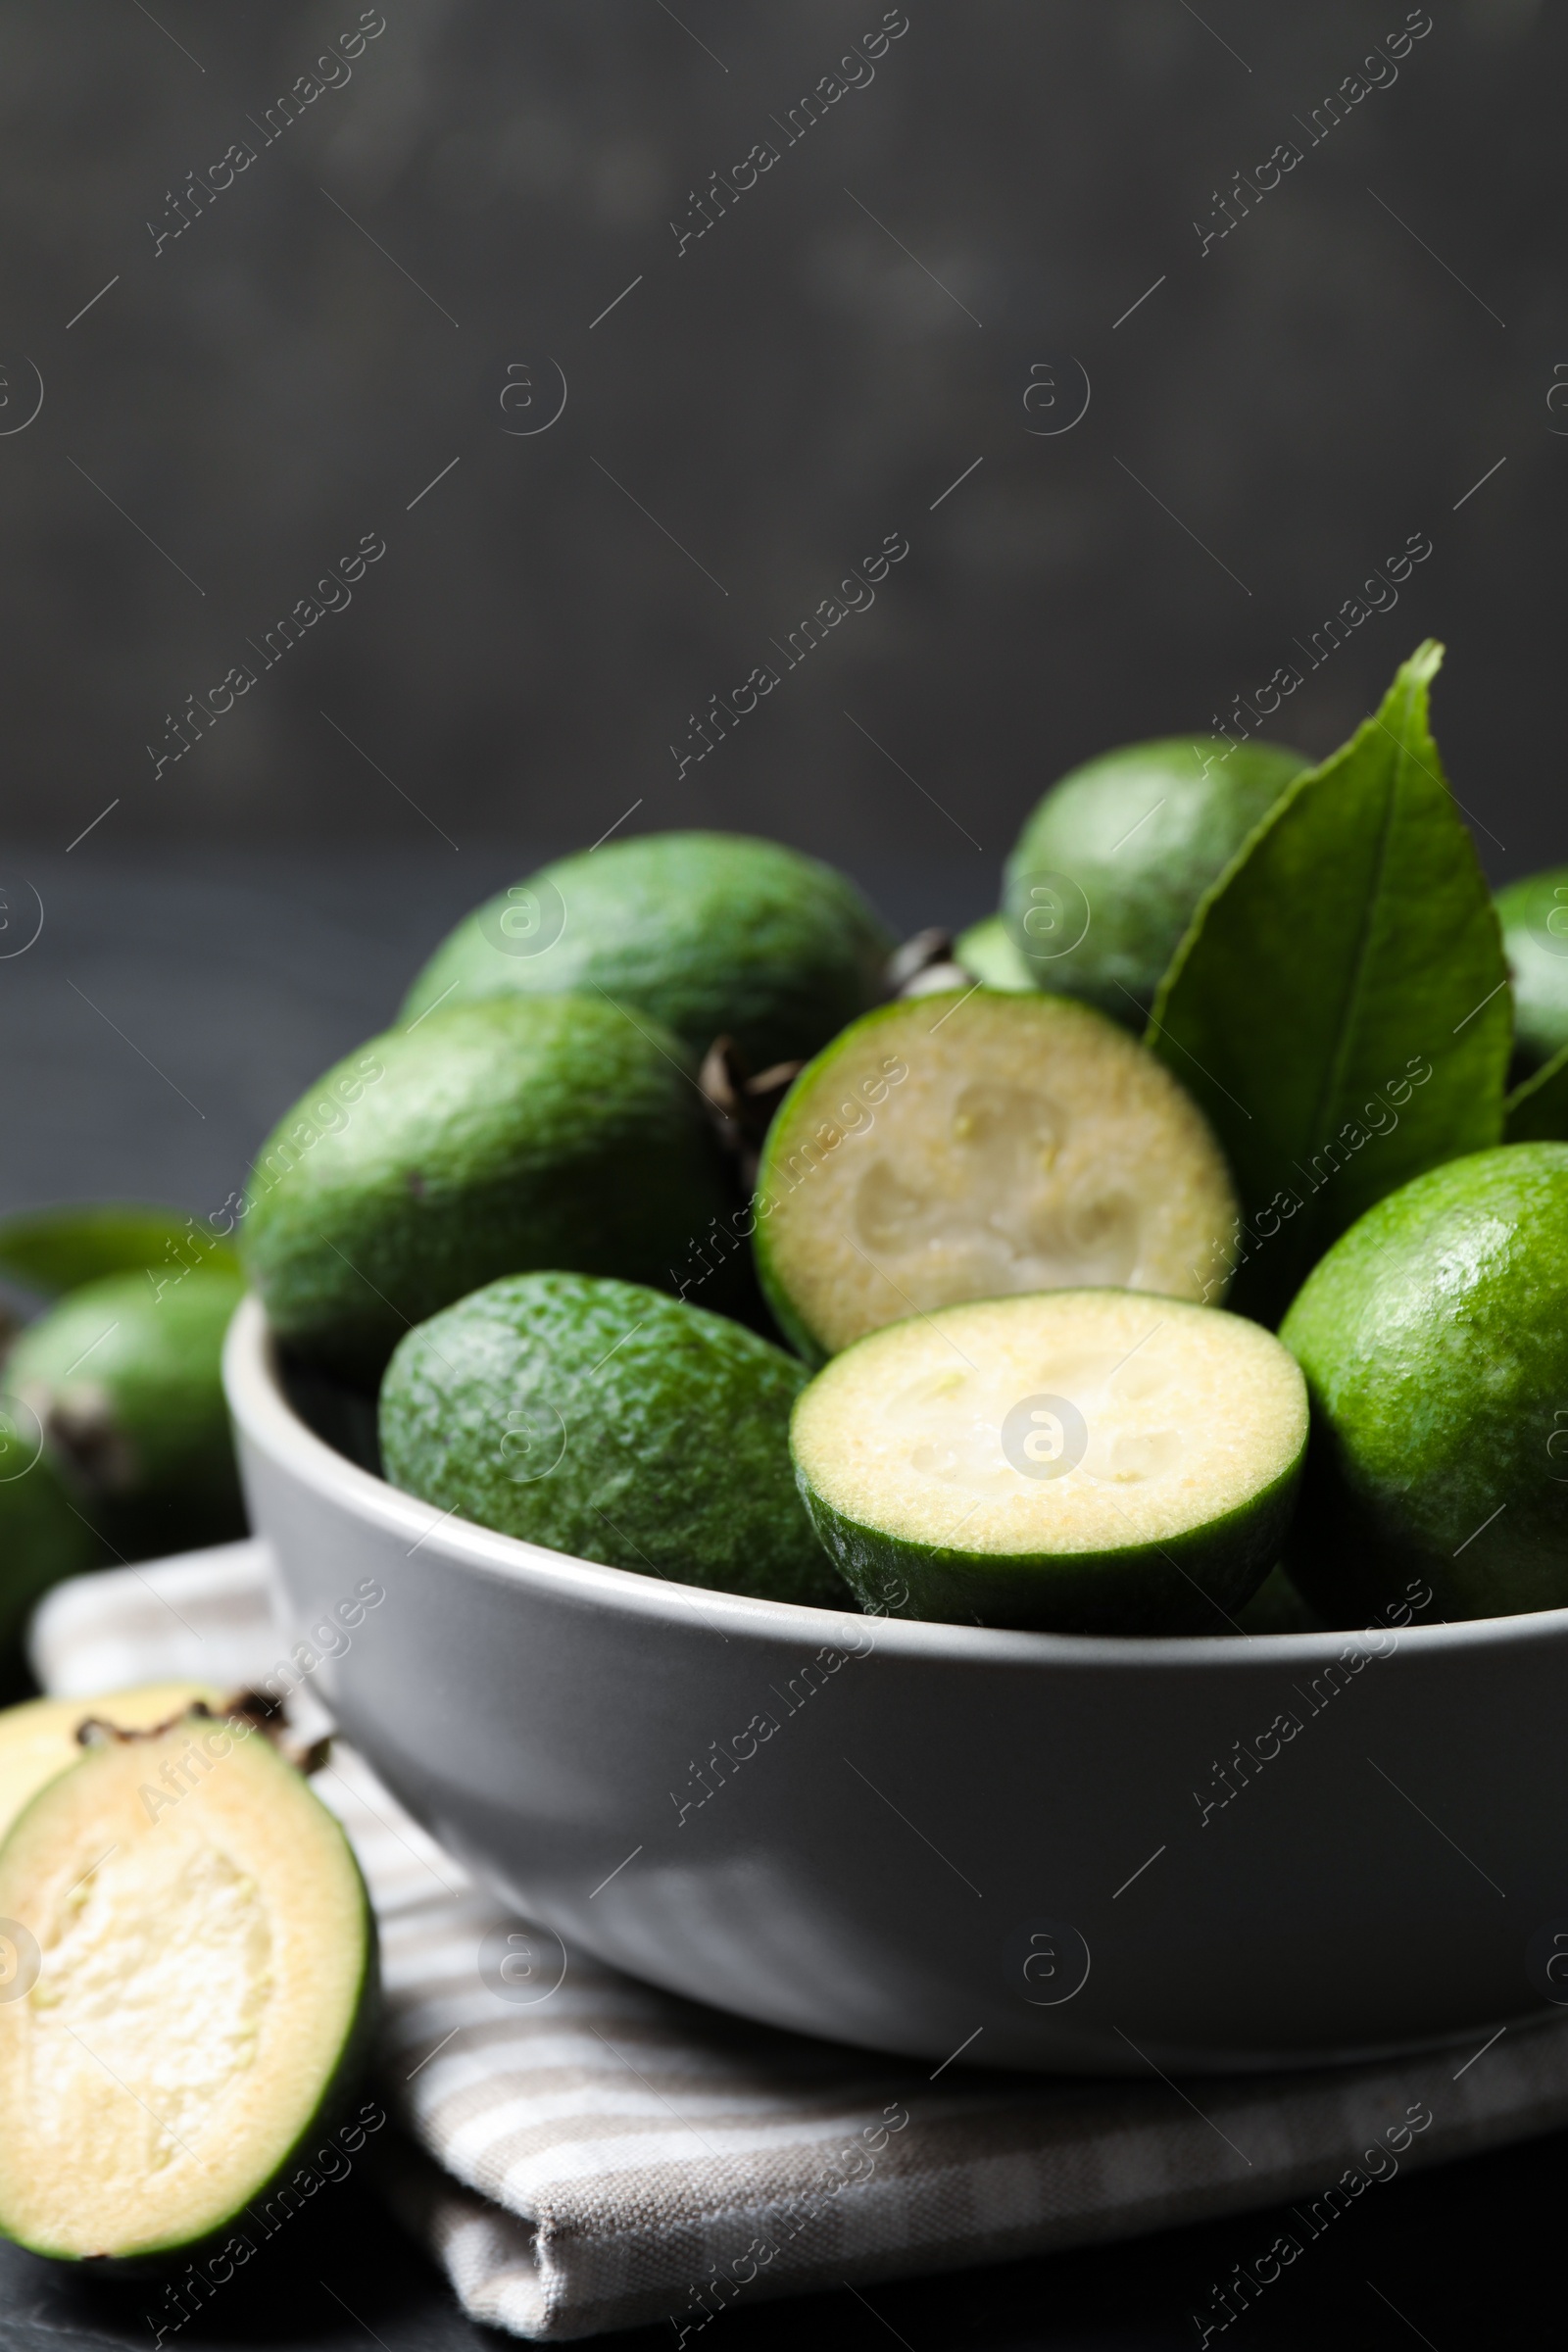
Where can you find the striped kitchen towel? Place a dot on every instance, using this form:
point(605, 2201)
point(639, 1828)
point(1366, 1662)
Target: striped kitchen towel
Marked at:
point(589, 2154)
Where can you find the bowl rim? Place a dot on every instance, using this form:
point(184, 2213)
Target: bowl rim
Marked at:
point(264, 1415)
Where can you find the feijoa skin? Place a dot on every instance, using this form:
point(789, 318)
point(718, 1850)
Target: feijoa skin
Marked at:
point(123, 1374)
point(1434, 1337)
point(1074, 1461)
point(714, 934)
point(1533, 914)
point(484, 1139)
point(44, 1533)
point(613, 1423)
point(1107, 871)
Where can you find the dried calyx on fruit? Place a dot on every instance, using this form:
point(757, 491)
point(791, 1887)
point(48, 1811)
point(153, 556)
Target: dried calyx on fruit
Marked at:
point(740, 1105)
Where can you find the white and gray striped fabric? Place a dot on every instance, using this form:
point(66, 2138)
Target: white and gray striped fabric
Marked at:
point(588, 2154)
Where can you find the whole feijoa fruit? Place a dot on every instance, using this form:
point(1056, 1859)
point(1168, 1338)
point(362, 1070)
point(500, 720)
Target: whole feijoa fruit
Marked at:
point(612, 1423)
point(1106, 875)
point(484, 1139)
point(714, 934)
point(1533, 914)
point(124, 1375)
point(1434, 1337)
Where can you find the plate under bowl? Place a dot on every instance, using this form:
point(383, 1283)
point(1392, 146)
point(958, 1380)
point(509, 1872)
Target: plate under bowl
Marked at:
point(1065, 1852)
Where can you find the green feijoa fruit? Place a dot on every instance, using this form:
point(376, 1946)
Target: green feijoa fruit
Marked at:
point(986, 953)
point(714, 934)
point(612, 1423)
point(198, 1943)
point(1080, 1461)
point(123, 1376)
point(54, 1250)
point(965, 1146)
point(44, 1531)
point(1434, 1337)
point(1104, 876)
point(1533, 914)
point(485, 1139)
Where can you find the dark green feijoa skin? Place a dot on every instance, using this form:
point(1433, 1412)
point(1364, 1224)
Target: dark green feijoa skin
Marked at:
point(965, 1145)
point(1106, 874)
point(485, 1139)
point(1533, 914)
point(1434, 1337)
point(714, 934)
point(123, 1376)
point(1078, 1461)
point(612, 1423)
point(1277, 1607)
point(986, 953)
point(191, 1931)
point(42, 1537)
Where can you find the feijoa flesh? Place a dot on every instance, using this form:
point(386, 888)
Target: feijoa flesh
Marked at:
point(40, 1738)
point(964, 1146)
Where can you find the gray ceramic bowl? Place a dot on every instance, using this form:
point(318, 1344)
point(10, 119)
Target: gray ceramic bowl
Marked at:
point(923, 1838)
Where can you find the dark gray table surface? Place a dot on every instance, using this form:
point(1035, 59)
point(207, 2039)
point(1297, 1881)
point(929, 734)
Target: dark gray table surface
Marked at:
point(161, 1020)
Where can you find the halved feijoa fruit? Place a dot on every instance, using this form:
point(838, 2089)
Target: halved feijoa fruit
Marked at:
point(193, 1965)
point(1079, 1461)
point(38, 1740)
point(967, 1145)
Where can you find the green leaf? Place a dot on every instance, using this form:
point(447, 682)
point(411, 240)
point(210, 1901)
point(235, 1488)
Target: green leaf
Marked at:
point(1339, 1005)
point(1536, 1111)
point(57, 1249)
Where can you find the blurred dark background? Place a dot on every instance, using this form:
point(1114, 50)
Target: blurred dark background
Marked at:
point(368, 332)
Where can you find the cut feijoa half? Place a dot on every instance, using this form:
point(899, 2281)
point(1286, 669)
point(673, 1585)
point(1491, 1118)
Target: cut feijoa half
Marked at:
point(1077, 1461)
point(966, 1145)
point(38, 1740)
point(191, 1990)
